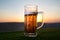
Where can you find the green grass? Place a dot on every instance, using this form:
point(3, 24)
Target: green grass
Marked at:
point(43, 34)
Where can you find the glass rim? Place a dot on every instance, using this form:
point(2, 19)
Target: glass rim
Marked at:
point(31, 5)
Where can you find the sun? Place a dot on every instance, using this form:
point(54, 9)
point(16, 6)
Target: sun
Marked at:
point(39, 18)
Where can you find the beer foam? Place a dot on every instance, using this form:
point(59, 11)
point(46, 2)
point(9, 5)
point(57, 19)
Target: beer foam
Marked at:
point(30, 12)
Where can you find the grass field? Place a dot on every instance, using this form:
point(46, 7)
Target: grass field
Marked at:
point(43, 34)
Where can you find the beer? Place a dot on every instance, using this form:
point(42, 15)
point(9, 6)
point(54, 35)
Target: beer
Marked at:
point(30, 22)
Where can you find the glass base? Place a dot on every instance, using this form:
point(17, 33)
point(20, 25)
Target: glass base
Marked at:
point(30, 34)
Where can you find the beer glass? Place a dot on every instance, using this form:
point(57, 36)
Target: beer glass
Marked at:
point(30, 20)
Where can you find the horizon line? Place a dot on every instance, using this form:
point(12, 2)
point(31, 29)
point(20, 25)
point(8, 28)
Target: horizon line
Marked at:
point(23, 22)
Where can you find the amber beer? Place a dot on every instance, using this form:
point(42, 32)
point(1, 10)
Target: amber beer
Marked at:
point(31, 22)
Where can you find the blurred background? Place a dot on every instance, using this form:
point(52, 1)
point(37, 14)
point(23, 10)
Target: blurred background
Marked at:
point(12, 14)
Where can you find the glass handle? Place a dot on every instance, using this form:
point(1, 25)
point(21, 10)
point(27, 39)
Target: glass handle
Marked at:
point(42, 21)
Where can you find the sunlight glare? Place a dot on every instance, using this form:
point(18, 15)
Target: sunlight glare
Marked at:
point(39, 18)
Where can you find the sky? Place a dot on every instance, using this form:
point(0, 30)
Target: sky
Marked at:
point(13, 10)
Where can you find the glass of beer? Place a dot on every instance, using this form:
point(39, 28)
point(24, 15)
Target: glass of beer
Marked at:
point(30, 20)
